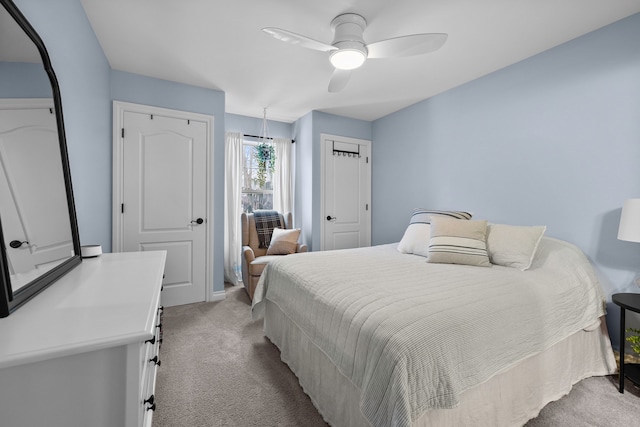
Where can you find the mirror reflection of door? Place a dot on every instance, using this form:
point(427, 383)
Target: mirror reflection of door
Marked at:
point(32, 193)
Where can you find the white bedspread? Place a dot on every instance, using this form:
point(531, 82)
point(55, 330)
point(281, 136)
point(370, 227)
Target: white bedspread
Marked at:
point(412, 335)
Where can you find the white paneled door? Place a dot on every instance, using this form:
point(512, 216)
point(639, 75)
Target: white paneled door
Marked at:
point(346, 192)
point(28, 129)
point(164, 198)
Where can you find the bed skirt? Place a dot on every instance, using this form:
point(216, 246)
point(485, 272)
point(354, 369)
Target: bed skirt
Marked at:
point(509, 398)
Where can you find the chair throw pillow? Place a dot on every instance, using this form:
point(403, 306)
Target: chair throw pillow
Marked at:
point(283, 242)
point(458, 242)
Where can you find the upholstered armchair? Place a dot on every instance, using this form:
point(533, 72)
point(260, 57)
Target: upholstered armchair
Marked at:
point(255, 258)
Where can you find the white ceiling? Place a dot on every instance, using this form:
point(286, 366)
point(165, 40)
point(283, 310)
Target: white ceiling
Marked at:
point(219, 44)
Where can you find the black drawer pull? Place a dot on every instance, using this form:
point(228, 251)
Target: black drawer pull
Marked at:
point(150, 400)
point(152, 407)
point(155, 360)
point(152, 340)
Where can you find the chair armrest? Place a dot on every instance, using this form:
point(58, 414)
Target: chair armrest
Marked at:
point(301, 248)
point(248, 254)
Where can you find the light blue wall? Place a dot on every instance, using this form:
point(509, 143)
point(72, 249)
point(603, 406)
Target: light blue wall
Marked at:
point(139, 89)
point(552, 140)
point(24, 80)
point(165, 94)
point(307, 134)
point(83, 76)
point(253, 126)
point(303, 189)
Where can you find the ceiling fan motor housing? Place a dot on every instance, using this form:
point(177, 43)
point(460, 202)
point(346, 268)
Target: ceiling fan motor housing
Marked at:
point(348, 29)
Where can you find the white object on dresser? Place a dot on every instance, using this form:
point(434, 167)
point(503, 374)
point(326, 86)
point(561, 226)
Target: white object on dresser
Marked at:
point(81, 353)
point(90, 251)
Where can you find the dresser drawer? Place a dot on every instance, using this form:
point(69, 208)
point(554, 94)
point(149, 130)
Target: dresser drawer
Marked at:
point(149, 363)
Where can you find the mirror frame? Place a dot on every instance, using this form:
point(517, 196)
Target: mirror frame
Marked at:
point(10, 301)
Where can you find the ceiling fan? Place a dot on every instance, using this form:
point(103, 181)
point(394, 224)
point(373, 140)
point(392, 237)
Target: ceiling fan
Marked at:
point(349, 51)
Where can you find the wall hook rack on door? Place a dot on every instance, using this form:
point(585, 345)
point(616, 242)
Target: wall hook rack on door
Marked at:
point(346, 153)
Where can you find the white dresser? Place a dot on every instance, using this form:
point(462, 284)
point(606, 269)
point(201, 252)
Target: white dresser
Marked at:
point(84, 352)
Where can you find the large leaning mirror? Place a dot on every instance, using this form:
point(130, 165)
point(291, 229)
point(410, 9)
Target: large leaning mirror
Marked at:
point(38, 228)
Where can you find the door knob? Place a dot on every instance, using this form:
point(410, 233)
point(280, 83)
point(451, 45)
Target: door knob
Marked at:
point(15, 244)
point(198, 221)
point(330, 218)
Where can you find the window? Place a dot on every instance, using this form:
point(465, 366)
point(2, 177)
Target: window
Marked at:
point(254, 196)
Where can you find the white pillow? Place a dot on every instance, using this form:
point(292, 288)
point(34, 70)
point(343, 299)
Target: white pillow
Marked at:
point(416, 236)
point(283, 242)
point(416, 240)
point(513, 245)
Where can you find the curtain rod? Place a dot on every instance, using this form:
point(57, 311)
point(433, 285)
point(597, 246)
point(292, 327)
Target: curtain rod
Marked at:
point(262, 137)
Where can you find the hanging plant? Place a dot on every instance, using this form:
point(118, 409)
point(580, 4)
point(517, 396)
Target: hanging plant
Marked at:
point(265, 156)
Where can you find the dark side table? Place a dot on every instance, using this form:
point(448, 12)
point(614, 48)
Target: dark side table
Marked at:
point(632, 370)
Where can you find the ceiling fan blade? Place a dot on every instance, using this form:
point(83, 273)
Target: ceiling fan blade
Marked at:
point(297, 39)
point(339, 80)
point(415, 44)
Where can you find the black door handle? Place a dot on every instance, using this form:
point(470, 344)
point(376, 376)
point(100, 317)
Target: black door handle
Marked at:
point(330, 218)
point(15, 244)
point(198, 221)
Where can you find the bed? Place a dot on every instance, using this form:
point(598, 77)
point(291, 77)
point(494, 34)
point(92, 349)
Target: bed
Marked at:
point(379, 338)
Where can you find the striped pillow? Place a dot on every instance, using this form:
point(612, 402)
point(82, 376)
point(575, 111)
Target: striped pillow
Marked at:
point(416, 237)
point(423, 216)
point(458, 242)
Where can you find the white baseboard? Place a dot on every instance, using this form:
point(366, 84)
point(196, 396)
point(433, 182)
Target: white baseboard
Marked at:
point(217, 296)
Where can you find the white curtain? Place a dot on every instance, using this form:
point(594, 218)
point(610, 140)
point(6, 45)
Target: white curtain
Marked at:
point(233, 208)
point(282, 181)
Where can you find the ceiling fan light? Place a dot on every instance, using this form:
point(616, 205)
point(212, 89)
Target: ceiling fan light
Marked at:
point(347, 59)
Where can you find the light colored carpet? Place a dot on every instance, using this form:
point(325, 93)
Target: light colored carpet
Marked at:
point(219, 370)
